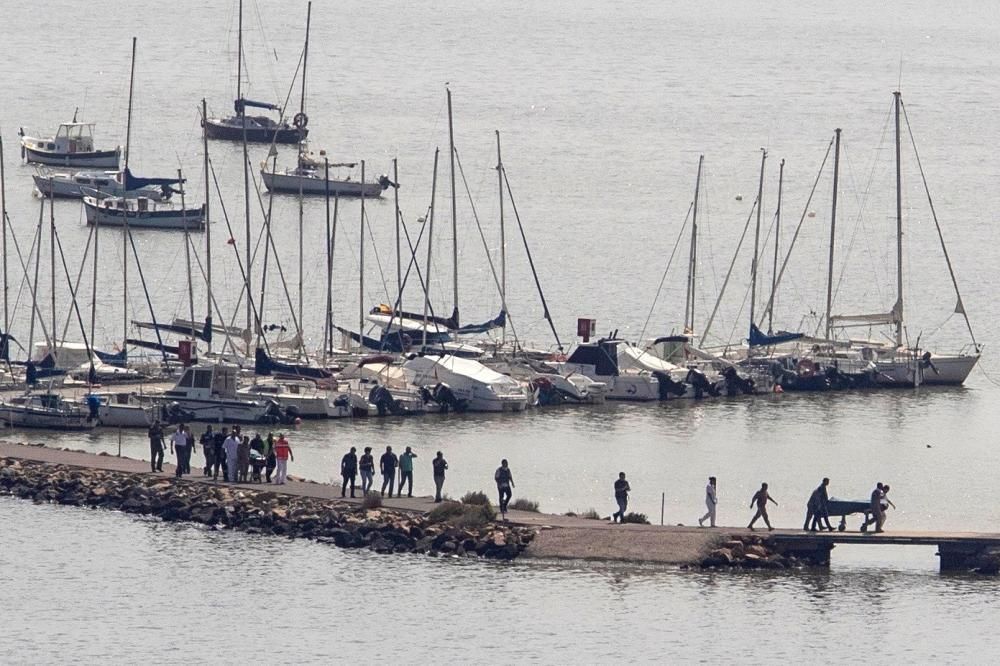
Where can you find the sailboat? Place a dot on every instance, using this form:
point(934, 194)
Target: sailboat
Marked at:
point(255, 129)
point(901, 364)
point(140, 212)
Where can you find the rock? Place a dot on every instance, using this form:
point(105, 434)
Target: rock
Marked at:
point(736, 547)
point(756, 550)
point(448, 547)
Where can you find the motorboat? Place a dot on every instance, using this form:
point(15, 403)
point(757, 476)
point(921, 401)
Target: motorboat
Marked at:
point(141, 213)
point(465, 384)
point(378, 386)
point(45, 410)
point(209, 393)
point(547, 386)
point(602, 361)
point(299, 399)
point(314, 176)
point(121, 410)
point(71, 184)
point(72, 146)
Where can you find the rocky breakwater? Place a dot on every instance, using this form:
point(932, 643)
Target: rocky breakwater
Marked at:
point(750, 552)
point(261, 512)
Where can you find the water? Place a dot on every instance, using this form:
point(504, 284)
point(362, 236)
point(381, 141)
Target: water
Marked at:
point(604, 109)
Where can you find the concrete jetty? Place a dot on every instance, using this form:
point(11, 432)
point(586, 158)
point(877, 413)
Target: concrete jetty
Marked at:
point(551, 536)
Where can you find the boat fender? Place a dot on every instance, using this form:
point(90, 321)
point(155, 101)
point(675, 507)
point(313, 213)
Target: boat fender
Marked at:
point(300, 120)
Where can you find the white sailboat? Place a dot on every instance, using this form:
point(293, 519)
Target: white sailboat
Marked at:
point(49, 411)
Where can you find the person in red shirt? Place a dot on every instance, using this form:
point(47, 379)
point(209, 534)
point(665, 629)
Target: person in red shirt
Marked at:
point(282, 452)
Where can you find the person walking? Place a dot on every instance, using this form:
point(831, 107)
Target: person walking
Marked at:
point(243, 459)
point(711, 501)
point(406, 471)
point(156, 446)
point(232, 447)
point(207, 442)
point(761, 498)
point(818, 509)
point(219, 454)
point(282, 453)
point(876, 509)
point(622, 489)
point(440, 465)
point(505, 484)
point(367, 467)
point(348, 471)
point(387, 465)
point(178, 446)
point(270, 460)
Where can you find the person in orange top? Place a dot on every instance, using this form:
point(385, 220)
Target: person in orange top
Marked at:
point(282, 452)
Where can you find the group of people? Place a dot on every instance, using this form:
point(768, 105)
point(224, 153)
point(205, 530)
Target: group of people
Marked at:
point(228, 451)
point(389, 463)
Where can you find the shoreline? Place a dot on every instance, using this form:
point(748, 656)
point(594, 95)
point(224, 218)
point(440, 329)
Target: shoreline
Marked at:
point(313, 510)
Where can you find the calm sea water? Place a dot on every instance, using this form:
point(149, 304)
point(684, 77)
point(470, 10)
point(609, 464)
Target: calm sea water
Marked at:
point(604, 109)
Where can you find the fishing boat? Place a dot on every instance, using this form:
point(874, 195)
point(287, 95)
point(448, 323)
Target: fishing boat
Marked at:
point(72, 146)
point(45, 410)
point(316, 176)
point(465, 384)
point(209, 393)
point(122, 410)
point(70, 184)
point(141, 213)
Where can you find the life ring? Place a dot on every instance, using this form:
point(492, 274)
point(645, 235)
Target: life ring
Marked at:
point(300, 120)
point(805, 368)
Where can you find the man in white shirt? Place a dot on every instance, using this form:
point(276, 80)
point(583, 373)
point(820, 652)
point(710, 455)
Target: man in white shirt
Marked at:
point(231, 447)
point(179, 446)
point(711, 501)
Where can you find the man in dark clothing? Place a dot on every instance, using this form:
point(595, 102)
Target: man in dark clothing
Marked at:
point(156, 446)
point(818, 508)
point(760, 499)
point(271, 458)
point(208, 449)
point(219, 454)
point(622, 489)
point(505, 482)
point(388, 464)
point(366, 465)
point(440, 465)
point(878, 513)
point(348, 470)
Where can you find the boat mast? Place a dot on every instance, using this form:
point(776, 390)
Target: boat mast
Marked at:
point(305, 60)
point(302, 109)
point(503, 243)
point(399, 260)
point(125, 235)
point(693, 256)
point(208, 227)
point(898, 310)
point(777, 238)
point(246, 169)
point(833, 230)
point(454, 209)
point(756, 237)
point(329, 260)
point(52, 261)
point(187, 254)
point(361, 270)
point(430, 238)
point(3, 229)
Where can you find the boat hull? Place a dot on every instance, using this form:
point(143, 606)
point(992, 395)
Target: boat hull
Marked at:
point(230, 129)
point(51, 185)
point(97, 159)
point(294, 184)
point(220, 411)
point(946, 371)
point(192, 219)
point(125, 416)
point(27, 417)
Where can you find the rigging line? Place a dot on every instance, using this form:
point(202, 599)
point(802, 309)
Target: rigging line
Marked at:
point(239, 260)
point(959, 307)
point(72, 294)
point(24, 268)
point(486, 247)
point(663, 279)
point(798, 227)
point(215, 303)
point(79, 275)
point(729, 273)
point(145, 289)
point(708, 234)
point(378, 262)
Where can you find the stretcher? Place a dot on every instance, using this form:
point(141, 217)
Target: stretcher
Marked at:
point(845, 508)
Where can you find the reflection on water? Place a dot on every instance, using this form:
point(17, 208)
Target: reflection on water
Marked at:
point(132, 587)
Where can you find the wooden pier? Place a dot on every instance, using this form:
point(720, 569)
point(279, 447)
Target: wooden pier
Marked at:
point(957, 551)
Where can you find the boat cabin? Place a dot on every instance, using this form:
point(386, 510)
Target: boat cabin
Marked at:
point(70, 138)
point(206, 381)
point(601, 355)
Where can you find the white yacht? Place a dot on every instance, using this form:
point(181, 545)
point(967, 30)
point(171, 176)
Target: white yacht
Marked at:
point(465, 384)
point(208, 393)
point(300, 399)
